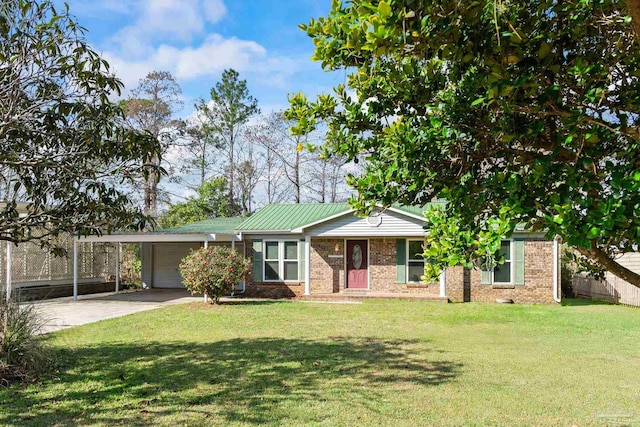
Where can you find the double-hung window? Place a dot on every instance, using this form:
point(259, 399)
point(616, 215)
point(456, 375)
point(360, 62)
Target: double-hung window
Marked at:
point(415, 261)
point(281, 261)
point(503, 273)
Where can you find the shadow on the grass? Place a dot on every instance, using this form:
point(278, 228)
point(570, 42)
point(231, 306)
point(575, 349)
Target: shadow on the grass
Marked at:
point(243, 380)
point(579, 302)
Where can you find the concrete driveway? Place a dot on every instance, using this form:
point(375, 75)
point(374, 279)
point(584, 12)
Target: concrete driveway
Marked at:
point(62, 313)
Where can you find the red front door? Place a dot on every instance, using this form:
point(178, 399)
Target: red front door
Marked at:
point(357, 264)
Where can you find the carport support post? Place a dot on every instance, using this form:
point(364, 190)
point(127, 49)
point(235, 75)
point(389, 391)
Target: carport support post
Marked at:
point(206, 245)
point(75, 269)
point(117, 268)
point(443, 284)
point(8, 287)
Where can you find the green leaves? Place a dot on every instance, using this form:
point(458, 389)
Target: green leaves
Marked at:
point(214, 271)
point(526, 113)
point(384, 9)
point(64, 148)
point(544, 50)
point(211, 202)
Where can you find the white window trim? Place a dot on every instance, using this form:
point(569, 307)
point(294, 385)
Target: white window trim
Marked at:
point(414, 260)
point(511, 266)
point(281, 260)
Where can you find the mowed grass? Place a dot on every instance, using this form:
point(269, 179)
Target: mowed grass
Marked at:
point(377, 363)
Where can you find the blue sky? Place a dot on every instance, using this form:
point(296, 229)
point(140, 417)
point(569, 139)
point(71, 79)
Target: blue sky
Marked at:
point(197, 39)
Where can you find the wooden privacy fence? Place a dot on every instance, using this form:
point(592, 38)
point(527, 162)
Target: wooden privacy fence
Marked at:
point(611, 289)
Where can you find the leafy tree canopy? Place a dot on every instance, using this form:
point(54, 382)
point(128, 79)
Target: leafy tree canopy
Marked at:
point(211, 202)
point(515, 112)
point(63, 148)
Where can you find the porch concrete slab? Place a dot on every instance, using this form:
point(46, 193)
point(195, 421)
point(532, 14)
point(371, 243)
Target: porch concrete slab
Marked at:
point(63, 313)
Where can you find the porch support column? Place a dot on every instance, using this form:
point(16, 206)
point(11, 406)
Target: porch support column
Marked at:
point(9, 284)
point(443, 284)
point(307, 265)
point(233, 244)
point(206, 246)
point(75, 268)
point(118, 267)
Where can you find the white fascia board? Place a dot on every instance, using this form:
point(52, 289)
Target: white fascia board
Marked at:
point(148, 237)
point(329, 218)
point(401, 212)
point(371, 234)
point(332, 217)
point(273, 236)
point(253, 233)
point(223, 237)
point(529, 235)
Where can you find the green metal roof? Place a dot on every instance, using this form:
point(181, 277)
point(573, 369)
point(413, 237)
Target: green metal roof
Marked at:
point(275, 218)
point(208, 226)
point(286, 217)
point(418, 210)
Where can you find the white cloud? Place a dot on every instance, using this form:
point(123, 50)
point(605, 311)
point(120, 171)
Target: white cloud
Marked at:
point(95, 8)
point(214, 10)
point(215, 54)
point(168, 20)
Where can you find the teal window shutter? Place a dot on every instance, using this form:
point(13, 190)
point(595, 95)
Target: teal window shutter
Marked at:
point(401, 260)
point(257, 260)
point(518, 262)
point(302, 259)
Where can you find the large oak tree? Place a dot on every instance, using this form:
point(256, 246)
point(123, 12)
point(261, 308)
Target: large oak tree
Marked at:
point(63, 148)
point(514, 112)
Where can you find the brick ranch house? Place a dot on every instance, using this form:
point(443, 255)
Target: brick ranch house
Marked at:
point(320, 249)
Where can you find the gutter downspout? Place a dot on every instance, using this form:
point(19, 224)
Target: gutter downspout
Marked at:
point(556, 269)
point(443, 284)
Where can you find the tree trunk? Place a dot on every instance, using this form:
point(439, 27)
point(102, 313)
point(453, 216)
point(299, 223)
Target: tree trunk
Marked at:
point(203, 164)
point(296, 171)
point(231, 169)
point(633, 6)
point(269, 172)
point(323, 183)
point(597, 255)
point(147, 195)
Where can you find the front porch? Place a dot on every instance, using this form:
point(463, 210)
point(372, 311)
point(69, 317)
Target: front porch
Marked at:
point(365, 295)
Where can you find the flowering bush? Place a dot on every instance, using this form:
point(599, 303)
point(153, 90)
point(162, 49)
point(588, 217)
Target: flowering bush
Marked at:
point(213, 271)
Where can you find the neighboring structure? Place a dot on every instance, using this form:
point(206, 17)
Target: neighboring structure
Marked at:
point(612, 288)
point(323, 249)
point(28, 266)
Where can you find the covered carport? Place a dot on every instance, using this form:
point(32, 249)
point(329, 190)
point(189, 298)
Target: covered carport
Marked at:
point(162, 250)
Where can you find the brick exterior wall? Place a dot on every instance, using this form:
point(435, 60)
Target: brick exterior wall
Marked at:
point(66, 290)
point(538, 279)
point(327, 266)
point(328, 275)
point(454, 278)
point(268, 289)
point(382, 271)
point(328, 272)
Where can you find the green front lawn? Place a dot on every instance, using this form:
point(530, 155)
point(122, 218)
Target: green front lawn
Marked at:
point(378, 363)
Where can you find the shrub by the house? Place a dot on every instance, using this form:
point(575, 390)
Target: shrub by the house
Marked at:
point(213, 271)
